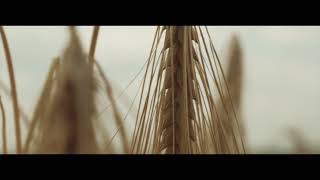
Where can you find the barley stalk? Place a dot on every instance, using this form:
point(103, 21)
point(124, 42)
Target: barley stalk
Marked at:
point(13, 90)
point(41, 104)
point(24, 116)
point(116, 114)
point(4, 128)
point(109, 92)
point(93, 44)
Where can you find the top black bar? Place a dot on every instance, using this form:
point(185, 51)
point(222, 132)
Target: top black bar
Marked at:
point(161, 13)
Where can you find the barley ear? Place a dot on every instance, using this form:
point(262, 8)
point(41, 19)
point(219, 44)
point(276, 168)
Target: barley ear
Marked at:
point(177, 110)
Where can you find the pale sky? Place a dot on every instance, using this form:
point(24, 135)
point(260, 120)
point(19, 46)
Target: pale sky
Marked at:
point(281, 70)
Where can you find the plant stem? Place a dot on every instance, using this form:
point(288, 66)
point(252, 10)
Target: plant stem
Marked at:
point(4, 128)
point(93, 45)
point(13, 89)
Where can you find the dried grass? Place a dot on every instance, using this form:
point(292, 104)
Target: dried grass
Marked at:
point(4, 128)
point(14, 95)
point(185, 105)
point(23, 114)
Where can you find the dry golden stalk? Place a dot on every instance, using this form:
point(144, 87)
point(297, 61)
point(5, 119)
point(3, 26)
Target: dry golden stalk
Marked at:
point(4, 128)
point(93, 45)
point(13, 90)
point(179, 114)
point(41, 104)
point(116, 114)
point(23, 114)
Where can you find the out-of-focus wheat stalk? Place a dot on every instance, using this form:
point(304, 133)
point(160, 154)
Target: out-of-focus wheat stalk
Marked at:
point(41, 104)
point(178, 113)
point(14, 95)
point(109, 91)
point(115, 111)
point(24, 116)
point(93, 44)
point(4, 128)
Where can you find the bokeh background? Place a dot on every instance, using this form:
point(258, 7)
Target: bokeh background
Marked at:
point(281, 72)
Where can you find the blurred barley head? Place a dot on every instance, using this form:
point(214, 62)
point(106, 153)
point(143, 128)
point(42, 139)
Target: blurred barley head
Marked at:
point(65, 120)
point(232, 90)
point(63, 117)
